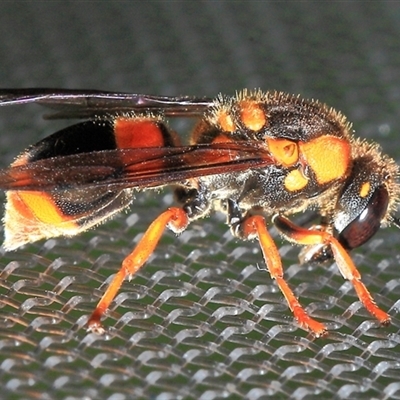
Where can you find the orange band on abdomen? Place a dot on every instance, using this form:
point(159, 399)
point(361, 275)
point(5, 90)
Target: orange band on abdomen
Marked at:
point(41, 206)
point(136, 133)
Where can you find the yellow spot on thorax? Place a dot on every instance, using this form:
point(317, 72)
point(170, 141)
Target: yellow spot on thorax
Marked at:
point(252, 115)
point(225, 121)
point(328, 156)
point(295, 180)
point(286, 152)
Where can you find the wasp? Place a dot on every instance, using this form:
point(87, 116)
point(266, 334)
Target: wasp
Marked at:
point(257, 157)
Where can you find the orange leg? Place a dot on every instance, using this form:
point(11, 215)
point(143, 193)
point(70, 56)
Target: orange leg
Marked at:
point(174, 218)
point(342, 258)
point(255, 226)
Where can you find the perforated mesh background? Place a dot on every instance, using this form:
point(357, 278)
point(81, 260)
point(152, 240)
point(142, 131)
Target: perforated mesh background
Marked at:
point(202, 320)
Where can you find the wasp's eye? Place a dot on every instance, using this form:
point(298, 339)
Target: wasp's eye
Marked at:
point(363, 227)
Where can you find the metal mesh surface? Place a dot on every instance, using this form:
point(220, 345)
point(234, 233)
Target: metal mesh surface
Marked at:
point(202, 320)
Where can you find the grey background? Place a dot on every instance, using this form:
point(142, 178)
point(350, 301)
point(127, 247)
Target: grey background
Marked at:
point(202, 320)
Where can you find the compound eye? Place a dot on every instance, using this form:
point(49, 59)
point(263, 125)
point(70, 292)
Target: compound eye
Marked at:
point(362, 228)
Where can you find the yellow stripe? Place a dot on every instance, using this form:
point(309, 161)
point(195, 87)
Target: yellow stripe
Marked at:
point(44, 209)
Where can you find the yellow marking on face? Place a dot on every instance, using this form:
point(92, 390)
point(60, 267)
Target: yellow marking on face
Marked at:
point(365, 188)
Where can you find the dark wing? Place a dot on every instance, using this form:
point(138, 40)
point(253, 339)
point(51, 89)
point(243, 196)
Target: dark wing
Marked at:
point(139, 168)
point(71, 103)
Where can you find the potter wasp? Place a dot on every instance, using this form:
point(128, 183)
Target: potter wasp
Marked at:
point(257, 157)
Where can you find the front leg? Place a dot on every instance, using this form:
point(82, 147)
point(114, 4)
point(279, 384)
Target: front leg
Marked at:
point(343, 260)
point(317, 253)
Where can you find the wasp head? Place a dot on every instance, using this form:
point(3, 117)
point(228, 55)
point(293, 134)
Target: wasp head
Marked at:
point(368, 198)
